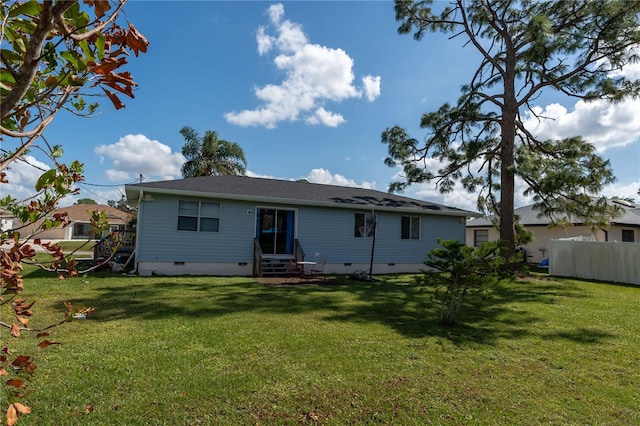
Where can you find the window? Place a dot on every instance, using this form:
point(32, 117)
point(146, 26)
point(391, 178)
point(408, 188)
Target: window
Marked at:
point(627, 235)
point(198, 216)
point(480, 236)
point(410, 228)
point(82, 230)
point(365, 223)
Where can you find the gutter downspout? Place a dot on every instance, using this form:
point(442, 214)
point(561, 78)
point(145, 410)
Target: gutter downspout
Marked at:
point(135, 249)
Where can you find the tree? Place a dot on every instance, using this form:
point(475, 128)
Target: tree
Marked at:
point(86, 201)
point(210, 156)
point(54, 54)
point(526, 47)
point(458, 273)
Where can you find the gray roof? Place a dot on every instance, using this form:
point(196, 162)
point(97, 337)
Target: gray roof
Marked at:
point(290, 192)
point(529, 216)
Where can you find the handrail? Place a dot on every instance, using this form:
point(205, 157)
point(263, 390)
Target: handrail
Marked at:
point(257, 258)
point(298, 252)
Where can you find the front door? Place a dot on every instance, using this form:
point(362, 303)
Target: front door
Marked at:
point(275, 230)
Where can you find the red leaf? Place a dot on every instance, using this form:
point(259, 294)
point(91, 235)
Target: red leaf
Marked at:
point(114, 99)
point(46, 343)
point(21, 360)
point(16, 383)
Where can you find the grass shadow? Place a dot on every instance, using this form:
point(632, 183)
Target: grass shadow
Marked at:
point(396, 302)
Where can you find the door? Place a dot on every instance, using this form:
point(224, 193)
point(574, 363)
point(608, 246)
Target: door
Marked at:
point(275, 230)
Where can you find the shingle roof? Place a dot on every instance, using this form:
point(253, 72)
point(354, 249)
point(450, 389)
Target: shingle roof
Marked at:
point(529, 216)
point(81, 213)
point(274, 190)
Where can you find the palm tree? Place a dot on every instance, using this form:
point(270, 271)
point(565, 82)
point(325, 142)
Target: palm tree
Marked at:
point(210, 156)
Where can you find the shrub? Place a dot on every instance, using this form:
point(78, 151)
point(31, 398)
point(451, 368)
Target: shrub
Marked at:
point(458, 272)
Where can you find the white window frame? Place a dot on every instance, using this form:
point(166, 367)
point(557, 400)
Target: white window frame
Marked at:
point(476, 241)
point(198, 211)
point(411, 235)
point(369, 225)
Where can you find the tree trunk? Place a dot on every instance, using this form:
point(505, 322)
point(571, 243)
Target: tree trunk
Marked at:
point(507, 156)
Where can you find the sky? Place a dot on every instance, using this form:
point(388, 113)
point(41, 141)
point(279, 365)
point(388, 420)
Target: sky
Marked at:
point(306, 89)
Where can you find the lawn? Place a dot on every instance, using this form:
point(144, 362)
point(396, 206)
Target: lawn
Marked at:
point(230, 351)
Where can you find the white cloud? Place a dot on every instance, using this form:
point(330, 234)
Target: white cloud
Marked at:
point(629, 190)
point(603, 124)
point(328, 118)
point(133, 155)
point(371, 87)
point(22, 177)
point(314, 75)
point(326, 177)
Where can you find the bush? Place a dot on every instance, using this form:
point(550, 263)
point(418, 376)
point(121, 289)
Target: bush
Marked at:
point(458, 272)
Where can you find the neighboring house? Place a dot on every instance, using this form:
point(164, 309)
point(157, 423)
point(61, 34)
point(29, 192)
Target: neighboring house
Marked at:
point(624, 229)
point(79, 227)
point(235, 225)
point(6, 220)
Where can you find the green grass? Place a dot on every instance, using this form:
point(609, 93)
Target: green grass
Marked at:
point(230, 351)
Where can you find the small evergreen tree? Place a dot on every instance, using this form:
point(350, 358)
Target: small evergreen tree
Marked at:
point(459, 272)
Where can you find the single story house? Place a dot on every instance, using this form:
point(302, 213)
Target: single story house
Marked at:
point(238, 225)
point(79, 216)
point(6, 220)
point(623, 229)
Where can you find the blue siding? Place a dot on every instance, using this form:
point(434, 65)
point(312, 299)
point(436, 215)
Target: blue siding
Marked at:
point(330, 232)
point(159, 239)
point(324, 231)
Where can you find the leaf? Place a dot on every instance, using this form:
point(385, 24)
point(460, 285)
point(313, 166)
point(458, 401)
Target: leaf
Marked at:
point(15, 330)
point(12, 415)
point(21, 361)
point(31, 8)
point(114, 99)
point(46, 343)
point(16, 383)
point(46, 178)
point(21, 408)
point(51, 81)
point(136, 40)
point(57, 151)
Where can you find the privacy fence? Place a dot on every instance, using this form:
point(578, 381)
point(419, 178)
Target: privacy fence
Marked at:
point(603, 261)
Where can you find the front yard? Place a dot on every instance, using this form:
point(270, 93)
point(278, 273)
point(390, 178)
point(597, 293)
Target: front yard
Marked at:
point(231, 351)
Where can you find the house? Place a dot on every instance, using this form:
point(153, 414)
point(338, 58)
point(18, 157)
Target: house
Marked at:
point(6, 220)
point(79, 216)
point(623, 229)
point(237, 225)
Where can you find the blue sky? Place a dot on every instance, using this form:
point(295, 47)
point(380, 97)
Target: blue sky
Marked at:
point(306, 89)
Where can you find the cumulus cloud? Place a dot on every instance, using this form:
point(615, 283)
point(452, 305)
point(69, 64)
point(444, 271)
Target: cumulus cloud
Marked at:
point(600, 123)
point(322, 176)
point(629, 190)
point(326, 177)
point(314, 75)
point(328, 118)
point(371, 86)
point(22, 176)
point(133, 155)
point(605, 125)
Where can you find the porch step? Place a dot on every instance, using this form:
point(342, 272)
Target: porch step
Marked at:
point(275, 266)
